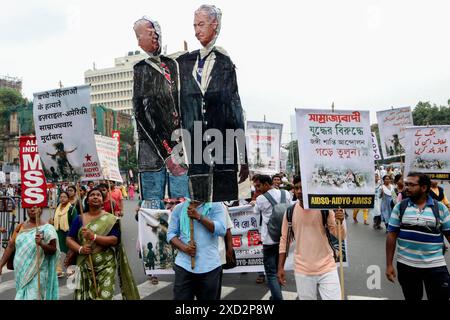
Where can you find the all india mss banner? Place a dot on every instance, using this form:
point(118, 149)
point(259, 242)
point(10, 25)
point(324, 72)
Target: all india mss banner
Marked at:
point(65, 134)
point(427, 151)
point(336, 156)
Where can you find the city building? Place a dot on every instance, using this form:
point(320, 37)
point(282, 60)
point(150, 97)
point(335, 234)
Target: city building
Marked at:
point(11, 82)
point(113, 87)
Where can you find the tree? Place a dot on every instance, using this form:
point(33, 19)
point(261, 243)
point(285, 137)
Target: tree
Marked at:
point(426, 114)
point(8, 99)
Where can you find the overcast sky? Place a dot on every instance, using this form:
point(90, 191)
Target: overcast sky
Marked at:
point(361, 54)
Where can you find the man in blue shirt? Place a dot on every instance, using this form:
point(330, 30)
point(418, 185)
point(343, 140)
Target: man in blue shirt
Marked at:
point(418, 234)
point(203, 280)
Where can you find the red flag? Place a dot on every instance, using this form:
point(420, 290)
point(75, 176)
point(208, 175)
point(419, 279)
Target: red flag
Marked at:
point(34, 187)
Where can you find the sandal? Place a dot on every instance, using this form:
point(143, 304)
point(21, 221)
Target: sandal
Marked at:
point(154, 280)
point(260, 279)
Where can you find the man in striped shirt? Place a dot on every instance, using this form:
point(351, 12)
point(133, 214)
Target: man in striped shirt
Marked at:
point(418, 234)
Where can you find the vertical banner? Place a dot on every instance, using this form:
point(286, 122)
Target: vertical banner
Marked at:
point(264, 141)
point(376, 149)
point(427, 151)
point(116, 136)
point(392, 124)
point(246, 235)
point(65, 134)
point(34, 187)
point(157, 254)
point(336, 159)
point(2, 177)
point(107, 155)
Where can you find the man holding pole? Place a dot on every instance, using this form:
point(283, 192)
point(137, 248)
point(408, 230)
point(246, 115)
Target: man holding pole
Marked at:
point(314, 264)
point(194, 229)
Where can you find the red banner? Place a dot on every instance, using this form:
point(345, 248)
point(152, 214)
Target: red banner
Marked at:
point(116, 135)
point(34, 187)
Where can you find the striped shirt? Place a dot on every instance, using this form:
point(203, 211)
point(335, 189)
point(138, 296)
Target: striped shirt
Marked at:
point(415, 246)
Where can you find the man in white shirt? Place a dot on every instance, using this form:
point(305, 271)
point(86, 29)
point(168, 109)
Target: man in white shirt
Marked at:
point(263, 183)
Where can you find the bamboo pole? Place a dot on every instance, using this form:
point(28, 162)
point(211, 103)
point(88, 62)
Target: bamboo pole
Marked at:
point(91, 263)
point(341, 263)
point(191, 226)
point(37, 259)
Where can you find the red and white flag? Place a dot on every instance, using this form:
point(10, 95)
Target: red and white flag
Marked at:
point(34, 187)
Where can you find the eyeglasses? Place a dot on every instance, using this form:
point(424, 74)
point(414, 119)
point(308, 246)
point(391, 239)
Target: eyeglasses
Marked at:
point(409, 184)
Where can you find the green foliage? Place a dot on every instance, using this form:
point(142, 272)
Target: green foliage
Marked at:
point(8, 99)
point(426, 114)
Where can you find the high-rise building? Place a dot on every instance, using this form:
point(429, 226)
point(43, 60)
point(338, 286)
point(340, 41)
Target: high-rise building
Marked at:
point(11, 82)
point(113, 87)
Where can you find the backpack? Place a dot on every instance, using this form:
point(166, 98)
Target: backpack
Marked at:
point(332, 241)
point(290, 232)
point(276, 218)
point(435, 230)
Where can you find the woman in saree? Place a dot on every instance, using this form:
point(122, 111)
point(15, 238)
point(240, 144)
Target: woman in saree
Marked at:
point(64, 215)
point(386, 197)
point(95, 236)
point(26, 243)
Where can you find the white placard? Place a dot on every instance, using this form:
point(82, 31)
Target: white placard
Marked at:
point(107, 150)
point(427, 151)
point(65, 134)
point(336, 159)
point(392, 124)
point(263, 146)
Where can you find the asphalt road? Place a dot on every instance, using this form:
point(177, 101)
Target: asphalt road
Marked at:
point(364, 278)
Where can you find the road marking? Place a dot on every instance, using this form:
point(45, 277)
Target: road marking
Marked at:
point(146, 289)
point(287, 295)
point(226, 291)
point(365, 298)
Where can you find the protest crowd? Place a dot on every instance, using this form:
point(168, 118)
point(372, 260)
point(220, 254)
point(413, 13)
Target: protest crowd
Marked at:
point(237, 209)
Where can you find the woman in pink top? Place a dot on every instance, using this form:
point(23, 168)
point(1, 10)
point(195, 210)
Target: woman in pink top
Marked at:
point(314, 264)
point(131, 191)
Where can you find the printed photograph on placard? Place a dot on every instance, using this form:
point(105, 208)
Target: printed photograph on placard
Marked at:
point(336, 159)
point(157, 254)
point(428, 151)
point(392, 124)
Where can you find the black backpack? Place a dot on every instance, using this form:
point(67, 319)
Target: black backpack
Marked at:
point(434, 230)
point(332, 241)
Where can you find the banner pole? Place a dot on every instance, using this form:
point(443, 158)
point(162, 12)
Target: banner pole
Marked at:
point(341, 263)
point(37, 260)
point(91, 263)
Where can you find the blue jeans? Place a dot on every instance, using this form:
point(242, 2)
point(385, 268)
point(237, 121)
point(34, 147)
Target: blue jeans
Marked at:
point(270, 258)
point(153, 184)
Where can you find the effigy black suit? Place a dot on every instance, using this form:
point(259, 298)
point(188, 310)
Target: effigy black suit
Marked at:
point(219, 107)
point(156, 109)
